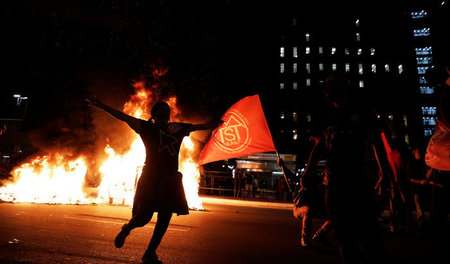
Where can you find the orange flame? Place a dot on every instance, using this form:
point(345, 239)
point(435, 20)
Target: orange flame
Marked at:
point(54, 179)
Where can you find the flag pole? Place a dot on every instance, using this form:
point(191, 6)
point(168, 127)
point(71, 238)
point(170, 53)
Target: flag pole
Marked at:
point(284, 174)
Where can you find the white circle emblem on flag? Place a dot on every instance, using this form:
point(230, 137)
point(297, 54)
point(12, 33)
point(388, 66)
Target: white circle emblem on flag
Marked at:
point(233, 135)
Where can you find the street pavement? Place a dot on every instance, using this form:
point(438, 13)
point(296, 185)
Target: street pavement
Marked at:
point(227, 231)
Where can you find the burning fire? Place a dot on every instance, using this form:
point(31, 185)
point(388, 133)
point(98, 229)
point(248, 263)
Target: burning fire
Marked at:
point(55, 179)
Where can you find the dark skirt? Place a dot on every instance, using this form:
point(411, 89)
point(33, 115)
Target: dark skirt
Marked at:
point(159, 191)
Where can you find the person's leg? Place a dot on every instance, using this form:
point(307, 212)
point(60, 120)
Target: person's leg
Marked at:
point(306, 225)
point(135, 221)
point(160, 229)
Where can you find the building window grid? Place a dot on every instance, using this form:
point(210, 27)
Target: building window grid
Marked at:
point(307, 50)
point(281, 67)
point(281, 86)
point(294, 52)
point(295, 86)
point(294, 68)
point(282, 52)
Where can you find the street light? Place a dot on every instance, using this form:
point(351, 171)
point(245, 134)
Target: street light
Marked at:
point(19, 98)
point(19, 102)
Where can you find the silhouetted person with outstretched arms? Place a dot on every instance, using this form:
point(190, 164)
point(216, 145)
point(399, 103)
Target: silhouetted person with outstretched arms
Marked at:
point(159, 188)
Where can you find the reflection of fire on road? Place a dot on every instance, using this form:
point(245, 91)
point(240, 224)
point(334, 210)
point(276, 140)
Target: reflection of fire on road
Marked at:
point(54, 178)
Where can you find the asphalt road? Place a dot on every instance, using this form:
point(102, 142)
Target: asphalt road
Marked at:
point(226, 232)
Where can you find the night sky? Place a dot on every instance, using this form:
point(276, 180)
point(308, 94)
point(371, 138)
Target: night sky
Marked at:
point(59, 52)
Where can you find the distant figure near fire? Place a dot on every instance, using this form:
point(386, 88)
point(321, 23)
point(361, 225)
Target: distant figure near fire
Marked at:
point(160, 186)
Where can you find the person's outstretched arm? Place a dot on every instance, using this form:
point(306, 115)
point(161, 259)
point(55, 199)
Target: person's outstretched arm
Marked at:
point(209, 125)
point(133, 122)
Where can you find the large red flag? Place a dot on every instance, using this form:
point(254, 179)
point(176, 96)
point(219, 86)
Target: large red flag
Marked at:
point(244, 132)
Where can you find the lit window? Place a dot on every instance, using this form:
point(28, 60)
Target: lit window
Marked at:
point(308, 67)
point(294, 52)
point(391, 117)
point(282, 68)
point(320, 50)
point(346, 51)
point(294, 134)
point(386, 68)
point(432, 121)
point(282, 52)
point(358, 37)
point(281, 86)
point(357, 22)
point(308, 82)
point(295, 116)
point(374, 68)
point(419, 14)
point(422, 80)
point(429, 110)
point(307, 50)
point(359, 51)
point(281, 115)
point(428, 132)
point(423, 32)
point(320, 66)
point(424, 51)
point(405, 120)
point(429, 121)
point(333, 50)
point(308, 117)
point(424, 60)
point(400, 69)
point(347, 67)
point(372, 51)
point(360, 68)
point(295, 86)
point(307, 37)
point(426, 90)
point(361, 84)
point(333, 66)
point(422, 70)
point(294, 68)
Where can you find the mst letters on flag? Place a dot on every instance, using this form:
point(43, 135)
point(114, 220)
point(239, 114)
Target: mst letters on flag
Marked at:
point(244, 132)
